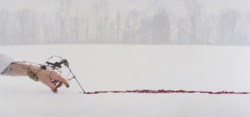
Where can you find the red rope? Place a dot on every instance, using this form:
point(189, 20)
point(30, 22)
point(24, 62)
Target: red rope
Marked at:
point(162, 91)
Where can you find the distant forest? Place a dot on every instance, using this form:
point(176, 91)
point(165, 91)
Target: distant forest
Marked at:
point(114, 26)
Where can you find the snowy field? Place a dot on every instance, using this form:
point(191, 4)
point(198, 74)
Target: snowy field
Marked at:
point(128, 67)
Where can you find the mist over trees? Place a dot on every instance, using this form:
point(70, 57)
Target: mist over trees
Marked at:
point(104, 24)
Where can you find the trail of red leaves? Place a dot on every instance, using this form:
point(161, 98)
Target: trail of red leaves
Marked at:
point(162, 91)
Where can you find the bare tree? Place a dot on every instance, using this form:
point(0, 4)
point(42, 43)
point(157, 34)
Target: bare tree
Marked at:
point(194, 12)
point(160, 27)
point(61, 18)
point(3, 24)
point(227, 26)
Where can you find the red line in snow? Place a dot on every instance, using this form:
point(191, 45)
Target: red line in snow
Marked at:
point(162, 91)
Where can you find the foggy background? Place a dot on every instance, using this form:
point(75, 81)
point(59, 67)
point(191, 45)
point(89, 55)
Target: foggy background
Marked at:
point(213, 22)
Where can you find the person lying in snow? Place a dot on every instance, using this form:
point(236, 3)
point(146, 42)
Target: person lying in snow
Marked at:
point(52, 79)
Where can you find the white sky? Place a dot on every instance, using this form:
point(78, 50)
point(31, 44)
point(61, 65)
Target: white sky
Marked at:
point(174, 6)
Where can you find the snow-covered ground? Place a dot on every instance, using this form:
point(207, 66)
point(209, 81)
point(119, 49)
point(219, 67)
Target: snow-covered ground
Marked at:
point(123, 67)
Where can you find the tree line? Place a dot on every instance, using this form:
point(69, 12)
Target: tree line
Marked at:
point(26, 26)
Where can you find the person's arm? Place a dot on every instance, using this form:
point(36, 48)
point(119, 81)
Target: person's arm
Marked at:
point(20, 69)
point(49, 78)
